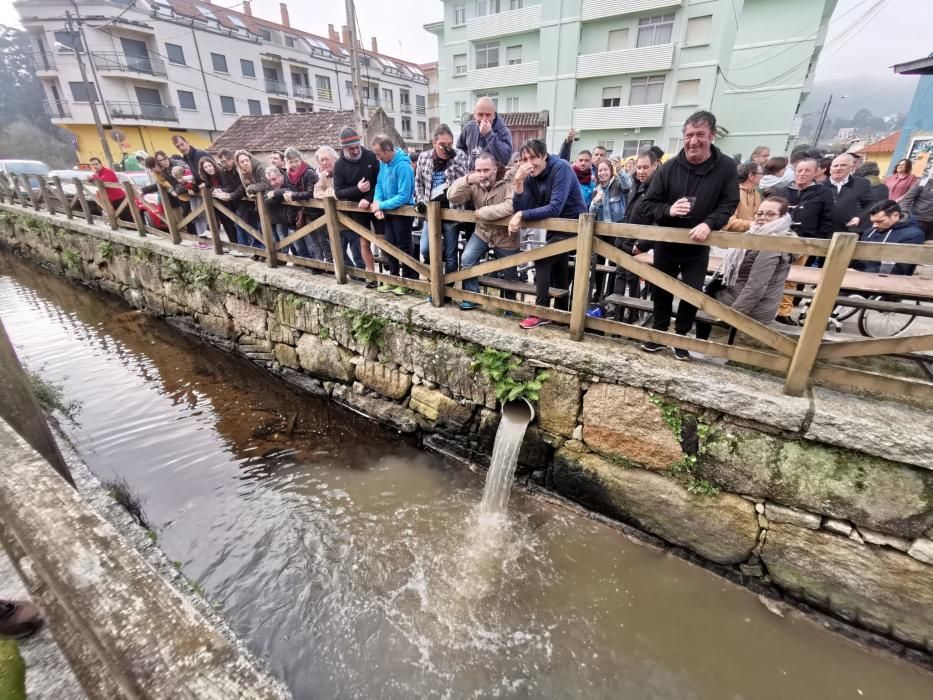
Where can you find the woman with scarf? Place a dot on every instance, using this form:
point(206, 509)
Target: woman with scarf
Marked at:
point(608, 205)
point(752, 281)
point(300, 180)
point(901, 180)
point(253, 180)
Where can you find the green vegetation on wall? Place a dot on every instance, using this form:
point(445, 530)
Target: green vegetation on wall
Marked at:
point(499, 368)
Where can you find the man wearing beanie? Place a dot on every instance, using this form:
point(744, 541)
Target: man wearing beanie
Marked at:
point(355, 175)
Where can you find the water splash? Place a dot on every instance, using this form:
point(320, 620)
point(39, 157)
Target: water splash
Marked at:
point(516, 415)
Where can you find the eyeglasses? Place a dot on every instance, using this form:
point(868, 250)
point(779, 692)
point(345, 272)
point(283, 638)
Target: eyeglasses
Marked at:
point(767, 214)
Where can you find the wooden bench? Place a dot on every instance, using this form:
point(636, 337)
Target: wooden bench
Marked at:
point(621, 301)
point(519, 287)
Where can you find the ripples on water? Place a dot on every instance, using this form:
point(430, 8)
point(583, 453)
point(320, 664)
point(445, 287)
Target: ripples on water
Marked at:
point(360, 567)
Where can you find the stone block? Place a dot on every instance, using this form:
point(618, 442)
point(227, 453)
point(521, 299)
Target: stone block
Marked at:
point(922, 550)
point(434, 406)
point(247, 317)
point(302, 314)
point(722, 528)
point(868, 491)
point(279, 333)
point(220, 327)
point(792, 516)
point(387, 412)
point(384, 380)
point(559, 403)
point(883, 590)
point(324, 358)
point(154, 302)
point(882, 540)
point(621, 421)
point(286, 356)
point(840, 527)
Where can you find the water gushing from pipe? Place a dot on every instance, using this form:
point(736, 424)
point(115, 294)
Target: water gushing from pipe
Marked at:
point(516, 415)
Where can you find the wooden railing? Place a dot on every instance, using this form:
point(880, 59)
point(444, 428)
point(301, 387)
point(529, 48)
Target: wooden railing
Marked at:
point(797, 359)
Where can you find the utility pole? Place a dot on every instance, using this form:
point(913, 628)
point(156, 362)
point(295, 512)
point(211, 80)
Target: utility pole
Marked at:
point(76, 42)
point(819, 127)
point(355, 78)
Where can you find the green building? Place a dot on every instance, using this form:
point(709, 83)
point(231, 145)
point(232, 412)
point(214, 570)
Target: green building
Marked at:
point(625, 73)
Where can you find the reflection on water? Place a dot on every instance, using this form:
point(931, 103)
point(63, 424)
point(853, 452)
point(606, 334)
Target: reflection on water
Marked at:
point(359, 566)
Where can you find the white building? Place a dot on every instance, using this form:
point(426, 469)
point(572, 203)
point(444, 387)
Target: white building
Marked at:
point(160, 67)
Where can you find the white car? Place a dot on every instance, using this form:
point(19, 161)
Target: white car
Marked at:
point(67, 178)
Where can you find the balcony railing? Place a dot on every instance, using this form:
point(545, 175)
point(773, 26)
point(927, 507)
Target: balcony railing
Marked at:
point(406, 133)
point(41, 60)
point(115, 61)
point(388, 106)
point(276, 87)
point(597, 9)
point(527, 19)
point(142, 110)
point(406, 107)
point(622, 117)
point(643, 60)
point(420, 109)
point(302, 92)
point(503, 76)
point(325, 94)
point(56, 109)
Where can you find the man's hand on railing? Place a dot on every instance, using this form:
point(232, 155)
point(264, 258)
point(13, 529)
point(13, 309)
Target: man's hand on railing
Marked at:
point(699, 233)
point(287, 195)
point(515, 223)
point(375, 208)
point(379, 214)
point(364, 204)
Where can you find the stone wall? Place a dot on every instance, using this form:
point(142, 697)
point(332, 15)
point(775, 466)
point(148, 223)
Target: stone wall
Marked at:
point(826, 498)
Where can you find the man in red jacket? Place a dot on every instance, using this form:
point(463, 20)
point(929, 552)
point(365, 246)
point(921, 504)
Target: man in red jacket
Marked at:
point(106, 175)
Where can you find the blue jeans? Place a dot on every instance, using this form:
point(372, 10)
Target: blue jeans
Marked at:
point(451, 239)
point(243, 238)
point(475, 250)
point(351, 240)
point(300, 247)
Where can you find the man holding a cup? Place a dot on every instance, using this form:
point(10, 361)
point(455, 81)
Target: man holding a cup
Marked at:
point(889, 225)
point(697, 190)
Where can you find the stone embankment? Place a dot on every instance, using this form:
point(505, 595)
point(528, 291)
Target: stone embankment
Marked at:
point(827, 498)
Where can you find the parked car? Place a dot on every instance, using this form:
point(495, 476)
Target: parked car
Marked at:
point(29, 168)
point(67, 177)
point(150, 205)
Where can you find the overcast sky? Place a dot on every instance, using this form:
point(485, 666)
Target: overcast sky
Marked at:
point(900, 31)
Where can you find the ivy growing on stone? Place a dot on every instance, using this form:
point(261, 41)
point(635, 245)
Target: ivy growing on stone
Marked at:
point(241, 282)
point(143, 254)
point(692, 433)
point(71, 259)
point(105, 251)
point(498, 367)
point(366, 329)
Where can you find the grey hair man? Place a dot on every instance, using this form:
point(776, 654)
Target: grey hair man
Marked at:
point(485, 132)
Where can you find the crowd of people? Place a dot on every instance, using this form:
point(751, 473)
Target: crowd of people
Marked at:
point(700, 189)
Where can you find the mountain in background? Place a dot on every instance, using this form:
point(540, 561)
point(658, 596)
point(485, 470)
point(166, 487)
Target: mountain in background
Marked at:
point(882, 96)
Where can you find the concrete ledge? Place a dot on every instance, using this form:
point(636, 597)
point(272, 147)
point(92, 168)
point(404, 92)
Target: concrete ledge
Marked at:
point(139, 633)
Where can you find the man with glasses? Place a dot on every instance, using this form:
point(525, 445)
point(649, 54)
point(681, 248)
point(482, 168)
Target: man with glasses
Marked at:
point(750, 175)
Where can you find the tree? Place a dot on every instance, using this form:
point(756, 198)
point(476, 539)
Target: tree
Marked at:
point(25, 140)
point(22, 94)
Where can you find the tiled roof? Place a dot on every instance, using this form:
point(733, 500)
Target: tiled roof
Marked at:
point(269, 132)
point(885, 145)
point(524, 118)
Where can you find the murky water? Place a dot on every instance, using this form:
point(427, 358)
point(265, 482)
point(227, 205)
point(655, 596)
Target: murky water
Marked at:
point(355, 565)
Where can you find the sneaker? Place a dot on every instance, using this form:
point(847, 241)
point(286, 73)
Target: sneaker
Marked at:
point(786, 320)
point(400, 291)
point(372, 284)
point(533, 322)
point(19, 619)
point(648, 346)
point(595, 312)
point(681, 354)
point(385, 288)
point(467, 305)
point(202, 246)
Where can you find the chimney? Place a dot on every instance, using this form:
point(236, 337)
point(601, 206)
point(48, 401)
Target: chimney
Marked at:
point(284, 8)
point(345, 32)
point(332, 33)
point(375, 46)
point(247, 8)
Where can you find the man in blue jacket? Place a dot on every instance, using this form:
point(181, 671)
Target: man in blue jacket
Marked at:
point(395, 187)
point(545, 187)
point(889, 225)
point(485, 133)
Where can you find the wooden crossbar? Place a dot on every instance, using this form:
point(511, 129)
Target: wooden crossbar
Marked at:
point(236, 219)
point(875, 346)
point(397, 253)
point(319, 222)
point(567, 245)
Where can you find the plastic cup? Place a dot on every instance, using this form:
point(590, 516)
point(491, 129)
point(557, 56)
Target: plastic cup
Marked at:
point(886, 267)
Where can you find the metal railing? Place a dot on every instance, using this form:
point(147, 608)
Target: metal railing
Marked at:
point(421, 109)
point(276, 87)
point(116, 61)
point(142, 110)
point(303, 92)
point(798, 357)
point(406, 107)
point(41, 60)
point(388, 106)
point(325, 94)
point(56, 109)
point(406, 133)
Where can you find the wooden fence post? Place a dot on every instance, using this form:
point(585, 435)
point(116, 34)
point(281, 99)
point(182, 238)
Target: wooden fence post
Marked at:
point(169, 211)
point(134, 210)
point(336, 242)
point(824, 300)
point(105, 204)
point(4, 191)
point(82, 198)
point(435, 234)
point(265, 223)
point(32, 195)
point(21, 192)
point(212, 222)
point(57, 181)
point(44, 191)
point(581, 277)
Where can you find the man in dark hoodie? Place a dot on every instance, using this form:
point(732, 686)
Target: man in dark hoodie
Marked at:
point(697, 190)
point(192, 158)
point(229, 193)
point(355, 176)
point(485, 133)
point(889, 225)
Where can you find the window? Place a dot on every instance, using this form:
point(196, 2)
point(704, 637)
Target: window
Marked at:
point(646, 90)
point(404, 97)
point(675, 144)
point(608, 145)
point(227, 105)
point(516, 4)
point(688, 92)
point(487, 54)
point(322, 83)
point(511, 104)
point(255, 106)
point(421, 103)
point(186, 99)
point(422, 131)
point(349, 87)
point(698, 30)
point(459, 14)
point(83, 92)
point(68, 40)
point(175, 54)
point(276, 109)
point(265, 34)
point(459, 109)
point(406, 125)
point(618, 40)
point(654, 30)
point(290, 42)
point(494, 96)
point(513, 55)
point(460, 64)
point(387, 99)
point(612, 96)
point(634, 147)
point(482, 8)
point(219, 62)
point(247, 68)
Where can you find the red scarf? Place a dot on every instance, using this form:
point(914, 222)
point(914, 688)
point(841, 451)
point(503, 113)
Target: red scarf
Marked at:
point(294, 176)
point(583, 177)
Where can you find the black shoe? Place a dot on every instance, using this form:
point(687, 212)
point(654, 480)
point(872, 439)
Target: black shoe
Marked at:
point(631, 316)
point(372, 284)
point(648, 346)
point(786, 320)
point(681, 354)
point(19, 619)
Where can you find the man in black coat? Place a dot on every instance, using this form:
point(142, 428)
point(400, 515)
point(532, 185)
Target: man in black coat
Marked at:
point(191, 155)
point(355, 175)
point(696, 190)
point(851, 194)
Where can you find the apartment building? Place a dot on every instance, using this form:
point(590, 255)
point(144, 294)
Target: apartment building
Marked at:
point(159, 67)
point(625, 73)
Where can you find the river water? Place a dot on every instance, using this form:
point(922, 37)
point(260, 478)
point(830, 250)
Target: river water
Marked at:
point(355, 564)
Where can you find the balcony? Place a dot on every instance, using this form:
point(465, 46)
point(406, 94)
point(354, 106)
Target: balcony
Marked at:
point(115, 62)
point(528, 19)
point(406, 133)
point(503, 76)
point(276, 87)
point(387, 106)
point(56, 109)
point(644, 60)
point(141, 110)
point(325, 95)
point(597, 9)
point(301, 92)
point(42, 61)
point(420, 110)
point(628, 117)
point(406, 107)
